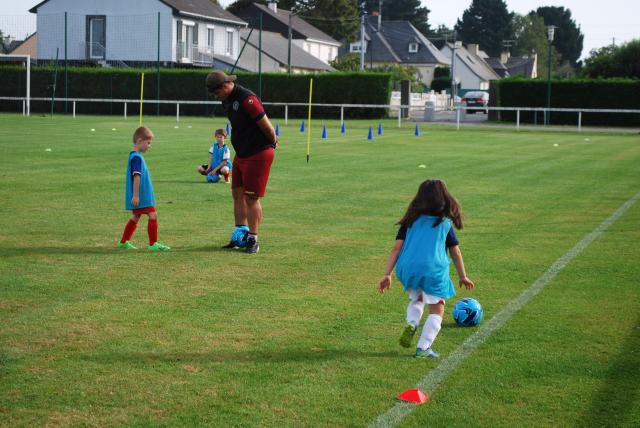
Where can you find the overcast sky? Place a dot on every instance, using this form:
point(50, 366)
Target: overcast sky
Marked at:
point(601, 22)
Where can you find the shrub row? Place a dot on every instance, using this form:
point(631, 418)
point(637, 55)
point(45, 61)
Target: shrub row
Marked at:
point(574, 93)
point(188, 85)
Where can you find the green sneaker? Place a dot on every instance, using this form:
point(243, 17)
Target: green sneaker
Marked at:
point(158, 246)
point(407, 335)
point(127, 245)
point(424, 354)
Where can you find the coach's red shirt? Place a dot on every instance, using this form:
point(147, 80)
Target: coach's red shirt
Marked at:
point(244, 109)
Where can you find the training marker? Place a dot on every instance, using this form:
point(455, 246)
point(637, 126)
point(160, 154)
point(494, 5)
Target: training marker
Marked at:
point(324, 132)
point(277, 130)
point(413, 395)
point(379, 129)
point(302, 126)
point(343, 128)
point(370, 136)
point(228, 130)
point(417, 132)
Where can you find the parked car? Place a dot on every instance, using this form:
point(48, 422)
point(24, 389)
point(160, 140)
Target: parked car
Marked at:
point(476, 99)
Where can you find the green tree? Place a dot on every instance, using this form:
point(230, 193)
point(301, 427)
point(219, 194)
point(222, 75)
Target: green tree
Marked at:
point(337, 18)
point(487, 23)
point(348, 62)
point(441, 35)
point(614, 61)
point(531, 37)
point(568, 39)
point(402, 10)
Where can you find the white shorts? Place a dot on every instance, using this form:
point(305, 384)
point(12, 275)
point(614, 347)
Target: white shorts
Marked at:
point(426, 298)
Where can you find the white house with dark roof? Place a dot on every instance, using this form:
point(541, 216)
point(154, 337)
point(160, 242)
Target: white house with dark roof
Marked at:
point(398, 42)
point(304, 35)
point(470, 68)
point(190, 32)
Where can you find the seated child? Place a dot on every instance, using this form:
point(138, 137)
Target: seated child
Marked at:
point(220, 162)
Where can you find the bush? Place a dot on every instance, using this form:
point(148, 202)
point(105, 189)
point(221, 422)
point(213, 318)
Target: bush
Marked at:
point(574, 93)
point(188, 85)
point(440, 83)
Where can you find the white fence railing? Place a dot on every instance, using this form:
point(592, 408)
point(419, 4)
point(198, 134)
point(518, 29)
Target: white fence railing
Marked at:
point(459, 110)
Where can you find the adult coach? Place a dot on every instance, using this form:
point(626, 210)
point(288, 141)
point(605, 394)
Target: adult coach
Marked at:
point(254, 140)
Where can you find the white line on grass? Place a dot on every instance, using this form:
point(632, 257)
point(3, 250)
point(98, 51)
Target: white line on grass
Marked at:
point(435, 377)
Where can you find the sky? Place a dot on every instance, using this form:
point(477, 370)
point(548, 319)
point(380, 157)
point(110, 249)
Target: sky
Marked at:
point(602, 23)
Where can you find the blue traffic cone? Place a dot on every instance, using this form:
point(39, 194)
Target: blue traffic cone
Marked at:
point(370, 136)
point(228, 129)
point(302, 126)
point(417, 132)
point(324, 132)
point(379, 129)
point(343, 128)
point(278, 131)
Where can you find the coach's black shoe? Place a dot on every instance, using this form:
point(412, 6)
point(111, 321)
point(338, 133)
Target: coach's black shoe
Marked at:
point(252, 246)
point(231, 244)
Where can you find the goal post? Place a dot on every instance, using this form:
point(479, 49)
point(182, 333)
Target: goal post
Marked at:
point(26, 60)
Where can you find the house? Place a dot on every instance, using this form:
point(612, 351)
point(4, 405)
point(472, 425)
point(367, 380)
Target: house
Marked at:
point(526, 65)
point(28, 46)
point(304, 35)
point(398, 42)
point(175, 32)
point(469, 65)
point(275, 55)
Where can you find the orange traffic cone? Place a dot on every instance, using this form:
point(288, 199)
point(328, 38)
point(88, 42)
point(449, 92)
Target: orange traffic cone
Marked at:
point(413, 395)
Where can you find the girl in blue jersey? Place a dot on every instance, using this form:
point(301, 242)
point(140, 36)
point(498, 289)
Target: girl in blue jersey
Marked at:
point(421, 262)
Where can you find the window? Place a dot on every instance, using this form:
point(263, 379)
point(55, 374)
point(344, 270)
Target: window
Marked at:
point(354, 47)
point(210, 37)
point(229, 43)
point(413, 47)
point(96, 36)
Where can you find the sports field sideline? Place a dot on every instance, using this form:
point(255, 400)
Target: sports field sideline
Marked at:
point(298, 334)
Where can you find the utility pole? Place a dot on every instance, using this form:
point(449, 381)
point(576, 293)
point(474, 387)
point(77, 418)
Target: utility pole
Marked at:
point(454, 88)
point(550, 31)
point(362, 39)
point(289, 48)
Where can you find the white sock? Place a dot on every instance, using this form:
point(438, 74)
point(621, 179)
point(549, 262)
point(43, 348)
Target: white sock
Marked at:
point(415, 308)
point(430, 330)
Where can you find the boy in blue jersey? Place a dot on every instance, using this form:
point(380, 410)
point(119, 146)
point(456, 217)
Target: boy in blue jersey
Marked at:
point(220, 162)
point(139, 193)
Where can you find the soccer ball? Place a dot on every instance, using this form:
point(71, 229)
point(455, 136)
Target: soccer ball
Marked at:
point(239, 236)
point(467, 312)
point(213, 178)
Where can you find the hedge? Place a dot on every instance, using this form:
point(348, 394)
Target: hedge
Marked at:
point(188, 85)
point(574, 93)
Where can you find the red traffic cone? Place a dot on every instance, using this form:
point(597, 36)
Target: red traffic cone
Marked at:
point(413, 395)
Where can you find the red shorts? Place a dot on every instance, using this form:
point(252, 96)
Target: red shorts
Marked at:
point(145, 210)
point(252, 173)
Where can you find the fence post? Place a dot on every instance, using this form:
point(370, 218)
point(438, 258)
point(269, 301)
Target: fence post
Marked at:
point(286, 114)
point(457, 118)
point(177, 112)
point(341, 115)
point(579, 121)
point(517, 120)
point(24, 107)
point(125, 110)
point(400, 116)
point(74, 109)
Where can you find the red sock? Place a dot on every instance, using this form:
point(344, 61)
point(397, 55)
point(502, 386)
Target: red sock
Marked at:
point(226, 177)
point(152, 229)
point(128, 231)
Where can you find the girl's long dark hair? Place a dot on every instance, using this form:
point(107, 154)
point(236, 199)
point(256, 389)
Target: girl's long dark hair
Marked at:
point(433, 199)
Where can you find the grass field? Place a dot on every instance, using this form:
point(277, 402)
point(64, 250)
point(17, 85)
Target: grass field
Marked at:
point(298, 334)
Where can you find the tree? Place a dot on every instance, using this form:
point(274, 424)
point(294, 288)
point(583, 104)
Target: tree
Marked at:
point(440, 36)
point(568, 38)
point(614, 61)
point(487, 23)
point(402, 10)
point(531, 37)
point(337, 18)
point(348, 62)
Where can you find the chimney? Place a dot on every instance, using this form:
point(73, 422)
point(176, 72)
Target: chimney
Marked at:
point(273, 5)
point(504, 57)
point(474, 48)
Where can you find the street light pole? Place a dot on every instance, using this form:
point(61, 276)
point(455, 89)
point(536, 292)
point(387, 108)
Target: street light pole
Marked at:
point(550, 32)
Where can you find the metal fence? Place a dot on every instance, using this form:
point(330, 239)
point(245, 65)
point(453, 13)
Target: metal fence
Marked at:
point(456, 115)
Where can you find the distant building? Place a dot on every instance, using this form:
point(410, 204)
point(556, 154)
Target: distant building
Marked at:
point(304, 35)
point(182, 32)
point(526, 65)
point(28, 46)
point(470, 67)
point(397, 42)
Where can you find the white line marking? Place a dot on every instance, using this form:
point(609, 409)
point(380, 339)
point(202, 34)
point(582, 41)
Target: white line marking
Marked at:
point(435, 377)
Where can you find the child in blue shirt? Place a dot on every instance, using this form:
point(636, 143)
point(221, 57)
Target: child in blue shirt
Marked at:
point(421, 262)
point(220, 161)
point(139, 196)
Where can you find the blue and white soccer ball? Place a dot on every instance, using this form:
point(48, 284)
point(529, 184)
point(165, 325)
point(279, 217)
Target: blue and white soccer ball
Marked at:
point(213, 178)
point(239, 236)
point(467, 312)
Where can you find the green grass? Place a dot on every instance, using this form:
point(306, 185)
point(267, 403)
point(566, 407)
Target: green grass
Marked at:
point(298, 335)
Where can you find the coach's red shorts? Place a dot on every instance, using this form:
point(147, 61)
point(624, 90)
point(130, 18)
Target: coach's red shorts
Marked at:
point(252, 173)
point(145, 210)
